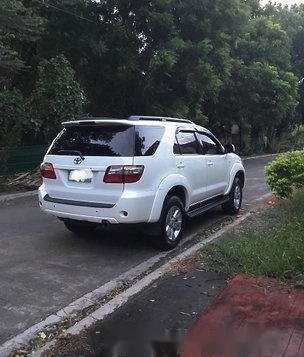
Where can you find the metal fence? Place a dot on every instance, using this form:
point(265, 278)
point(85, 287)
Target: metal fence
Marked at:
point(20, 159)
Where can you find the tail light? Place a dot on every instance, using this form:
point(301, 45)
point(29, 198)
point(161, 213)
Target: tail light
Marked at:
point(123, 173)
point(47, 170)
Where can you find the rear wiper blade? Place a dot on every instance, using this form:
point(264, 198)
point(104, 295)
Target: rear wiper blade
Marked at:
point(79, 153)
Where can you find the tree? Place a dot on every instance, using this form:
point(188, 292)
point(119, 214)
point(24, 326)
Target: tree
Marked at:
point(200, 59)
point(261, 94)
point(270, 97)
point(265, 41)
point(18, 26)
point(292, 21)
point(190, 63)
point(56, 98)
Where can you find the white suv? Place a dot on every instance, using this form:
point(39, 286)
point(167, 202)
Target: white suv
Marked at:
point(152, 170)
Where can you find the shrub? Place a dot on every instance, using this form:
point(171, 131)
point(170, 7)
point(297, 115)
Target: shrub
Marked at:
point(286, 173)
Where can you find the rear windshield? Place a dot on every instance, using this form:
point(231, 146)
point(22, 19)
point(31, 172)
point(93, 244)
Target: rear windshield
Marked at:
point(108, 140)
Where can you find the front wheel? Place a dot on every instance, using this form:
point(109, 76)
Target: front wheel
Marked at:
point(234, 204)
point(79, 227)
point(171, 223)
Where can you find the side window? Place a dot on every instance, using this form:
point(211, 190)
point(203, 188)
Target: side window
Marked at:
point(210, 146)
point(187, 143)
point(147, 139)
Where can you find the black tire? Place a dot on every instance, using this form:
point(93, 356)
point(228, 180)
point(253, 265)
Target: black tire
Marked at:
point(79, 227)
point(234, 204)
point(165, 238)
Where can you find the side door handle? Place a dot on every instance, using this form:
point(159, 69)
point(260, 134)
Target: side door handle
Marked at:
point(210, 163)
point(181, 166)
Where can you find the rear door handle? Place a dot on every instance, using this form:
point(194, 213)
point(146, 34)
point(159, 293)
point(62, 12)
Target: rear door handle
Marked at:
point(180, 166)
point(210, 163)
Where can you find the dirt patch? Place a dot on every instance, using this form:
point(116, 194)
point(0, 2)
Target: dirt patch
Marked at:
point(185, 265)
point(253, 316)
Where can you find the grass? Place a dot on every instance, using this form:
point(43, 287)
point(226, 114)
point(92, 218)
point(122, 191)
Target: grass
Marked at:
point(271, 244)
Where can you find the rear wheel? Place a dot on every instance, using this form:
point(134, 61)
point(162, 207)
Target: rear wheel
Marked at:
point(234, 204)
point(79, 227)
point(171, 224)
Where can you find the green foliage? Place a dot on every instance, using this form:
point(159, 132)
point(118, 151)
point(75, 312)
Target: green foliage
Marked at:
point(12, 117)
point(216, 62)
point(270, 94)
point(271, 245)
point(57, 96)
point(265, 41)
point(12, 122)
point(286, 173)
point(292, 140)
point(18, 25)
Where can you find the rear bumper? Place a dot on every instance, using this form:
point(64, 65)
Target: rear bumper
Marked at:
point(137, 205)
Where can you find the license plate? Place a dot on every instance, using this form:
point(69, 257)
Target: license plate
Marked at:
point(84, 176)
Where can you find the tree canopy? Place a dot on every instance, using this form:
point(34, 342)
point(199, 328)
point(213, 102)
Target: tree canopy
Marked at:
point(219, 63)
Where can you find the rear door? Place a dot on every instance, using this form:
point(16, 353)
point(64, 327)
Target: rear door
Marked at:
point(192, 164)
point(80, 156)
point(216, 161)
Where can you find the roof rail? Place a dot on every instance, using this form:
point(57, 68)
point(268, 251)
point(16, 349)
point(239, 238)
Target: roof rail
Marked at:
point(97, 118)
point(88, 120)
point(156, 118)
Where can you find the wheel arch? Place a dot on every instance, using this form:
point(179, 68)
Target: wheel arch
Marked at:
point(174, 185)
point(179, 191)
point(236, 171)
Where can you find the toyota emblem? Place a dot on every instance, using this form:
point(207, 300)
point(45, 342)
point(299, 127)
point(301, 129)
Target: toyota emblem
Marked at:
point(78, 160)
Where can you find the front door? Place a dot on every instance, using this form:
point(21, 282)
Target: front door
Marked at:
point(216, 161)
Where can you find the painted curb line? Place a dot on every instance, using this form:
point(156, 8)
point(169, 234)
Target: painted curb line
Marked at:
point(121, 299)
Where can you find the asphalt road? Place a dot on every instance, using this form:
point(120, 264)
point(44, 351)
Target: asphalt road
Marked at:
point(43, 267)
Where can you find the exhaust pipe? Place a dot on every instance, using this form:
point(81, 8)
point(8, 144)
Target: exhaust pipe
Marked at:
point(105, 223)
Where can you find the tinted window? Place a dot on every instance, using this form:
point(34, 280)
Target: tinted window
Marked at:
point(147, 139)
point(103, 140)
point(210, 146)
point(187, 143)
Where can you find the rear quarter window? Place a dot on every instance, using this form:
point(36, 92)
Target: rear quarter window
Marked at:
point(147, 139)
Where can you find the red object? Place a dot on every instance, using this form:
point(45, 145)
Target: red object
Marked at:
point(47, 170)
point(123, 173)
point(252, 317)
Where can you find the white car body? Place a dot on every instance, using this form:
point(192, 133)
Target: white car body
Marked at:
point(199, 177)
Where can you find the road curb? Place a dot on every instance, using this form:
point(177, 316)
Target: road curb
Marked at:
point(15, 196)
point(258, 156)
point(122, 298)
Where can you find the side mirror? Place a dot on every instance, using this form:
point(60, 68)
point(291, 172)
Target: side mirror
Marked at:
point(229, 148)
